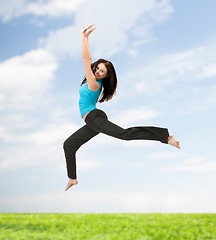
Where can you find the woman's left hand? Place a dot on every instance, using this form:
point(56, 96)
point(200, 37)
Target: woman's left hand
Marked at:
point(84, 32)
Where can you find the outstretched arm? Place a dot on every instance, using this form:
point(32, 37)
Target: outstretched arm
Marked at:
point(87, 58)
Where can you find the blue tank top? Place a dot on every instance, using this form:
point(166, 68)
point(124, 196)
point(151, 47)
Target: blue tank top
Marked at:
point(88, 98)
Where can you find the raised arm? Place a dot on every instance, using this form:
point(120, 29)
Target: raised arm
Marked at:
point(87, 59)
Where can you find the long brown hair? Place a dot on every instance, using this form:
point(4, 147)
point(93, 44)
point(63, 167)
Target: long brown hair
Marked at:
point(109, 83)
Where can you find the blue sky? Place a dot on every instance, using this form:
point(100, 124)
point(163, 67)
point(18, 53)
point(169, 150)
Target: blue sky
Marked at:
point(164, 55)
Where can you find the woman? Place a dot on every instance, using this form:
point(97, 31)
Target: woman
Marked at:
point(100, 79)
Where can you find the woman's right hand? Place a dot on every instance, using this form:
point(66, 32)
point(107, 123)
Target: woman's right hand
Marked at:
point(85, 33)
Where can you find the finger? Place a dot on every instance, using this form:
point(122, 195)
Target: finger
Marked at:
point(92, 30)
point(85, 28)
point(90, 26)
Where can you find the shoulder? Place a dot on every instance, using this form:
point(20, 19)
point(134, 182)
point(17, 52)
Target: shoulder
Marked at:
point(95, 87)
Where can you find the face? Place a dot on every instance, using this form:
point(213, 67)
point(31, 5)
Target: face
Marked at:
point(101, 71)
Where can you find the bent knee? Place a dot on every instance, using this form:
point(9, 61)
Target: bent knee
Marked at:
point(71, 143)
point(65, 144)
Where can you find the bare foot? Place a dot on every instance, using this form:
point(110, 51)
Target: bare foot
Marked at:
point(71, 182)
point(172, 141)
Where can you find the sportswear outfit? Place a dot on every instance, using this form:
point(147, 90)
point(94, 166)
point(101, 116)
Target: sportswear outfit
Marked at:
point(97, 122)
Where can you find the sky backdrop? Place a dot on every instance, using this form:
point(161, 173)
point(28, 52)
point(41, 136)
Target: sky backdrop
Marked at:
point(164, 53)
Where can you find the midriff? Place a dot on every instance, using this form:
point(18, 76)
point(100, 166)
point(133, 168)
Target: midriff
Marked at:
point(84, 117)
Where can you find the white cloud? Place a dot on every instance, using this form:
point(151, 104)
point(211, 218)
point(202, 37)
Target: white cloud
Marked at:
point(186, 67)
point(78, 201)
point(28, 155)
point(184, 162)
point(64, 41)
point(48, 135)
point(89, 164)
point(23, 125)
point(193, 165)
point(11, 9)
point(24, 79)
point(31, 155)
point(52, 8)
point(130, 116)
point(168, 155)
point(114, 26)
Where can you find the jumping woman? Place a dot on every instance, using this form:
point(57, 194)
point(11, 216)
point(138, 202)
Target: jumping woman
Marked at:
point(100, 79)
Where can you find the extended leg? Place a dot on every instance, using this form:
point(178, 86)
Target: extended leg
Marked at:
point(99, 122)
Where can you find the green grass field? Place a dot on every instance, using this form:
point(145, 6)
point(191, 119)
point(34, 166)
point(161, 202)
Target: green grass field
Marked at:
point(127, 226)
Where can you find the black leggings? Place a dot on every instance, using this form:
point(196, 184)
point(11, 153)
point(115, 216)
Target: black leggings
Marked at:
point(96, 122)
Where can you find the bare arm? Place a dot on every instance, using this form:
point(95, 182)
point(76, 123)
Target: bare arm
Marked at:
point(87, 59)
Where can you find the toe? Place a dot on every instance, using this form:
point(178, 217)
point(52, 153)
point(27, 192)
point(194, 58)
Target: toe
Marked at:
point(68, 186)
